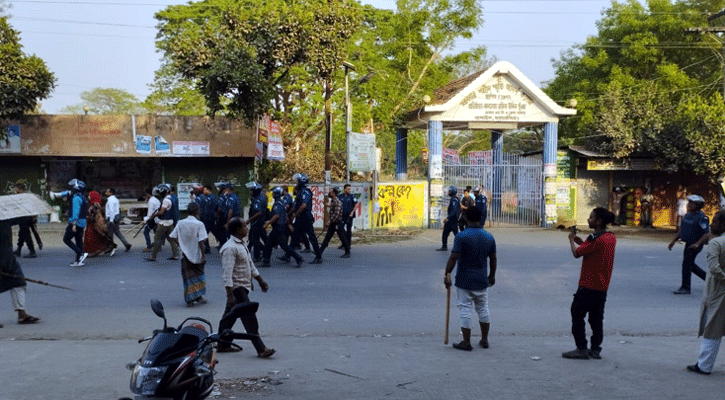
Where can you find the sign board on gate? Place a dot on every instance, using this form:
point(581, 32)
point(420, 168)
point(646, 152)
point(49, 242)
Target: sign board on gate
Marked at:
point(362, 152)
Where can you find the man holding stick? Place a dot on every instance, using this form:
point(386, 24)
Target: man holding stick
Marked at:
point(475, 251)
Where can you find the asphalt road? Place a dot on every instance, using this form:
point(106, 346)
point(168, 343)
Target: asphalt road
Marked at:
point(372, 326)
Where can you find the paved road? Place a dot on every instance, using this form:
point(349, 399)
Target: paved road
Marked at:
point(371, 327)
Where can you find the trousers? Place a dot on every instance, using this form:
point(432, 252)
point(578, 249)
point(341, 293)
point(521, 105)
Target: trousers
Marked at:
point(251, 325)
point(77, 247)
point(689, 267)
point(588, 301)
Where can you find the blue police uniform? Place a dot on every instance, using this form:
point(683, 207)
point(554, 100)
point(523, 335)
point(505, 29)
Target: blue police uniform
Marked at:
point(303, 222)
point(482, 204)
point(692, 227)
point(454, 209)
point(175, 206)
point(220, 231)
point(259, 204)
point(278, 235)
point(349, 201)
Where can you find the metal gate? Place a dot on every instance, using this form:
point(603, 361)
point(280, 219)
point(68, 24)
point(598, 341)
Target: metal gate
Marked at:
point(513, 188)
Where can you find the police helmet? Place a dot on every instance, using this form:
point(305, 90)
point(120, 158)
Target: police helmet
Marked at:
point(77, 185)
point(452, 191)
point(696, 199)
point(302, 179)
point(253, 185)
point(162, 189)
point(277, 192)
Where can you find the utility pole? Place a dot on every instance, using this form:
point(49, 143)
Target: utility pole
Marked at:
point(348, 118)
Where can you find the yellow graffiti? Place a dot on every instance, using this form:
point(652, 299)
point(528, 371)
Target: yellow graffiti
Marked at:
point(400, 206)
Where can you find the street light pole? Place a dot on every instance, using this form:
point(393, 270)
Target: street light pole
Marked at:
point(348, 117)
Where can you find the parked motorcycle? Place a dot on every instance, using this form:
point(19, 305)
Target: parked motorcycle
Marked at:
point(178, 363)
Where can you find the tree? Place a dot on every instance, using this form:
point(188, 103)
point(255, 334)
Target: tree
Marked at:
point(105, 101)
point(24, 79)
point(644, 85)
point(172, 94)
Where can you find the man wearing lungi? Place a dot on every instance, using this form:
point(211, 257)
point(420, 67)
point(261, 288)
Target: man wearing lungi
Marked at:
point(190, 235)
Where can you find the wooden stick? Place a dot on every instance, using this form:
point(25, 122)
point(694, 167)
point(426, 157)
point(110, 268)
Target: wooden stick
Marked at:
point(448, 312)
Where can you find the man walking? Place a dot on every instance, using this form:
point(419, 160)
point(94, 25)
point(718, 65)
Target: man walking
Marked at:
point(694, 228)
point(76, 220)
point(335, 224)
point(349, 203)
point(190, 235)
point(303, 213)
point(475, 251)
point(152, 204)
point(278, 235)
point(208, 206)
point(113, 216)
point(596, 271)
point(712, 310)
point(257, 216)
point(238, 270)
point(450, 223)
point(25, 224)
point(164, 218)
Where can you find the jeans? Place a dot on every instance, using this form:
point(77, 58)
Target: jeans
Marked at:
point(77, 247)
point(251, 325)
point(689, 267)
point(592, 302)
point(147, 234)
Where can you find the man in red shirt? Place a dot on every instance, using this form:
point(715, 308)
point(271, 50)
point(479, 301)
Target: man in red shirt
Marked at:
point(598, 253)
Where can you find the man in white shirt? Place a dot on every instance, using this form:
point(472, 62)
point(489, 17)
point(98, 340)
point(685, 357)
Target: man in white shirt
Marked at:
point(164, 219)
point(113, 216)
point(238, 270)
point(152, 205)
point(190, 235)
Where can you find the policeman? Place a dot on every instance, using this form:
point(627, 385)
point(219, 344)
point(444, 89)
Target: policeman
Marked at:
point(303, 217)
point(222, 214)
point(481, 204)
point(349, 202)
point(257, 217)
point(164, 218)
point(207, 207)
point(450, 223)
point(278, 235)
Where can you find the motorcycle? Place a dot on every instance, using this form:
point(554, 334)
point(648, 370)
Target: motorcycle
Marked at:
point(178, 363)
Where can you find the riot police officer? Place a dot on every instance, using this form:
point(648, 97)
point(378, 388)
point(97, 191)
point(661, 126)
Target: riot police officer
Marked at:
point(207, 206)
point(303, 217)
point(278, 235)
point(256, 219)
point(481, 204)
point(224, 212)
point(349, 202)
point(450, 223)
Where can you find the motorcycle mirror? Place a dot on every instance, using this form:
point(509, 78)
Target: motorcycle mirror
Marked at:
point(158, 309)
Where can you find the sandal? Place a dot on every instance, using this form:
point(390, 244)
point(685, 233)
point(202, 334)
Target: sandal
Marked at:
point(266, 353)
point(28, 319)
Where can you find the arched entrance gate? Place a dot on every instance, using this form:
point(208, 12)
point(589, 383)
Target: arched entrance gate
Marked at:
point(499, 99)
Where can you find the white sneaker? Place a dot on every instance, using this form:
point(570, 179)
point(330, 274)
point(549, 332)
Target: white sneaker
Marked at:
point(113, 252)
point(76, 264)
point(83, 258)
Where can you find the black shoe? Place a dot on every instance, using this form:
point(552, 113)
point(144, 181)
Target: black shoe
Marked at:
point(346, 255)
point(578, 354)
point(306, 251)
point(317, 260)
point(265, 263)
point(444, 248)
point(682, 291)
point(128, 246)
point(696, 369)
point(16, 253)
point(284, 259)
point(463, 346)
point(300, 262)
point(31, 255)
point(340, 247)
point(595, 354)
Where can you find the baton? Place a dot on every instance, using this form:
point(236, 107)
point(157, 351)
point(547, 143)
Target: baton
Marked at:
point(448, 312)
point(34, 281)
point(140, 229)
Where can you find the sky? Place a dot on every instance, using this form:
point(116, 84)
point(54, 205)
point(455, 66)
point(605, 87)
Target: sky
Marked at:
point(110, 43)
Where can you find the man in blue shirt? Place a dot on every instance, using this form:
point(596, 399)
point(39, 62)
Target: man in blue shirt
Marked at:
point(223, 212)
point(278, 235)
point(303, 214)
point(481, 203)
point(207, 206)
point(694, 230)
point(257, 216)
point(450, 223)
point(475, 251)
point(76, 220)
point(349, 202)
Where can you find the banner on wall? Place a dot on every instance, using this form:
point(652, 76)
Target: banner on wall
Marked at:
point(161, 145)
point(143, 144)
point(275, 150)
point(480, 157)
point(191, 148)
point(451, 157)
point(10, 140)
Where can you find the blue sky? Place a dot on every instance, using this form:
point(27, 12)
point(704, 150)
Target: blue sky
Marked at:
point(110, 43)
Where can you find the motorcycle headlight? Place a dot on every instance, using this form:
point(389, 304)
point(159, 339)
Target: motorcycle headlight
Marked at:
point(144, 381)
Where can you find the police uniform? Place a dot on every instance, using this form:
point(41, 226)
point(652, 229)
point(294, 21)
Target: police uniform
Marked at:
point(207, 209)
point(451, 226)
point(482, 204)
point(256, 230)
point(304, 221)
point(349, 201)
point(220, 230)
point(278, 235)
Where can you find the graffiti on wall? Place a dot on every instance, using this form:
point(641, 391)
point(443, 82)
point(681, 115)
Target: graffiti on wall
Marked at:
point(318, 202)
point(400, 206)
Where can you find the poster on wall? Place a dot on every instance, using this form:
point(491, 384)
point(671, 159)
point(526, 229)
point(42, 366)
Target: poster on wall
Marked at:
point(183, 191)
point(10, 139)
point(161, 145)
point(363, 152)
point(143, 144)
point(190, 148)
point(451, 157)
point(275, 150)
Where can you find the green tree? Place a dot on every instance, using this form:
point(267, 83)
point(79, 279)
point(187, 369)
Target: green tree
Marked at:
point(24, 79)
point(641, 82)
point(172, 94)
point(105, 101)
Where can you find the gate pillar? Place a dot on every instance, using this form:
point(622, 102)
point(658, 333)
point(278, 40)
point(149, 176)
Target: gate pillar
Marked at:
point(548, 206)
point(497, 173)
point(435, 173)
point(401, 154)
